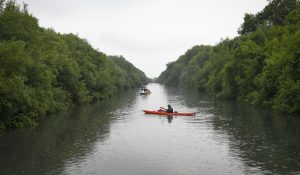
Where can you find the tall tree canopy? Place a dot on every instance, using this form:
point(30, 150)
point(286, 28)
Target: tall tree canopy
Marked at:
point(42, 71)
point(261, 66)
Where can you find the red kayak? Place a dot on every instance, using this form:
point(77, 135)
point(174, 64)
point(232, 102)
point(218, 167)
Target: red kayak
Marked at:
point(167, 113)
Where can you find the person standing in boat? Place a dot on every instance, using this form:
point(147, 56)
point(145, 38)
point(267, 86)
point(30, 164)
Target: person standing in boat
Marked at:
point(169, 110)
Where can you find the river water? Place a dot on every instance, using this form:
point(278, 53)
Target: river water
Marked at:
point(115, 137)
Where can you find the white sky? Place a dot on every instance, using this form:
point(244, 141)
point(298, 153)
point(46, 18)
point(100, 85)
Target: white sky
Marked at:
point(148, 33)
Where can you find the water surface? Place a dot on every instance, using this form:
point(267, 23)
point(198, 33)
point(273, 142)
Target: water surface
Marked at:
point(115, 137)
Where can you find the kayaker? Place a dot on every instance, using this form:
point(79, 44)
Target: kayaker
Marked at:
point(169, 110)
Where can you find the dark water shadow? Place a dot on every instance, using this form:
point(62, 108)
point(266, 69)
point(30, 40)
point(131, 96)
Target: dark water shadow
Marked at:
point(266, 141)
point(61, 138)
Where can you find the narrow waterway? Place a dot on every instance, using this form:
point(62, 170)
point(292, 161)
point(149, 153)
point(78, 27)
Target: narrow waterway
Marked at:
point(115, 137)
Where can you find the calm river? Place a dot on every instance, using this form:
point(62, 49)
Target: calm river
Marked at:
point(115, 137)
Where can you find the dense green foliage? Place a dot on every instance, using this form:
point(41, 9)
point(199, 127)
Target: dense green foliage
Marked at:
point(42, 71)
point(132, 76)
point(261, 66)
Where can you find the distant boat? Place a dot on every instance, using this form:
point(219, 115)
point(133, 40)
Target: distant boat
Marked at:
point(145, 91)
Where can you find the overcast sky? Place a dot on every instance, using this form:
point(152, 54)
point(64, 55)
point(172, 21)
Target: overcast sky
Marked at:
point(148, 33)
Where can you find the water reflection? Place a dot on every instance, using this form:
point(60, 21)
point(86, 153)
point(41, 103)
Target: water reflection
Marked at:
point(170, 118)
point(116, 137)
point(265, 141)
point(65, 137)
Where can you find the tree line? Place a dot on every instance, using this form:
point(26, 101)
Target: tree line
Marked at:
point(42, 71)
point(261, 66)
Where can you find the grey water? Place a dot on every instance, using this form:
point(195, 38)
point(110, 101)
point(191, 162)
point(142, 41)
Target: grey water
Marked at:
point(115, 137)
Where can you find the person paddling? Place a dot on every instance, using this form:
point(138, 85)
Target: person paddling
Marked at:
point(169, 110)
